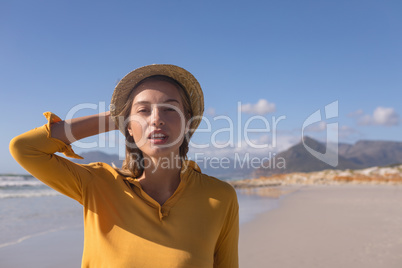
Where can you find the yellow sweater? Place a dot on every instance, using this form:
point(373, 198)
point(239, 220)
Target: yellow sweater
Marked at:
point(124, 227)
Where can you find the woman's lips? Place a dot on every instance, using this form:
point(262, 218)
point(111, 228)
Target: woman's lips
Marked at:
point(158, 137)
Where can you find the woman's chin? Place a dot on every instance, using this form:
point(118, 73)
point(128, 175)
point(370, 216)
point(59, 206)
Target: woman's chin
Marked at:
point(162, 153)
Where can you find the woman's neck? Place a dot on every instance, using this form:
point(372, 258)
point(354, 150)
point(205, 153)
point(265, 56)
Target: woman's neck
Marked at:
point(161, 177)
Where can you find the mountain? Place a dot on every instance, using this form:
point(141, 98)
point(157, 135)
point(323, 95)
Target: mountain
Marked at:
point(298, 159)
point(362, 154)
point(374, 153)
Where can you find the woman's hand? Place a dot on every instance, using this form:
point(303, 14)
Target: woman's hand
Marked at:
point(69, 131)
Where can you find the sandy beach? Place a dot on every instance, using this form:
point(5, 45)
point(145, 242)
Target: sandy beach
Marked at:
point(328, 226)
point(310, 226)
point(62, 248)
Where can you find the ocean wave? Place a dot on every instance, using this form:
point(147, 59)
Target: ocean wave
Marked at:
point(16, 177)
point(28, 194)
point(18, 183)
point(8, 182)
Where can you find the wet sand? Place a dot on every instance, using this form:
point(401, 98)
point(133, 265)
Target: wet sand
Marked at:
point(62, 248)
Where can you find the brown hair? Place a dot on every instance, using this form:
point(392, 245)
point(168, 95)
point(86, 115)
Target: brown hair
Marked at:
point(133, 165)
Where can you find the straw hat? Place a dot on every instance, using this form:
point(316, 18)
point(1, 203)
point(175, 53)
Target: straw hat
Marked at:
point(183, 77)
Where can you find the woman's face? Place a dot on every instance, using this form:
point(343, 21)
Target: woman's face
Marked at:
point(157, 121)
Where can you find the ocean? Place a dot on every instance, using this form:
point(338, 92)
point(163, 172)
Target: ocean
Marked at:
point(29, 208)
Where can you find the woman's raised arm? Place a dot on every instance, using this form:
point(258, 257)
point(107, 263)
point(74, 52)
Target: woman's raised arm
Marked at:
point(35, 151)
point(78, 128)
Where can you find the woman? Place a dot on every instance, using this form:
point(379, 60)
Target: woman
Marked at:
point(158, 210)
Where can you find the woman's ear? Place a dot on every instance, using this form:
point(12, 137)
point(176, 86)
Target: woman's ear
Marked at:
point(129, 131)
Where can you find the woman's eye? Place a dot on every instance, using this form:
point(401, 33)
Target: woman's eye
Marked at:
point(170, 110)
point(142, 110)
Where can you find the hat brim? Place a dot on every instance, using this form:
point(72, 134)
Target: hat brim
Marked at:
point(186, 79)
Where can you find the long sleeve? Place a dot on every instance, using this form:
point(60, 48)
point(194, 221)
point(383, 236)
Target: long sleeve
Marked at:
point(226, 255)
point(197, 227)
point(35, 151)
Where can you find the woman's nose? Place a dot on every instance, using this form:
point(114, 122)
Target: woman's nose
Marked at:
point(156, 117)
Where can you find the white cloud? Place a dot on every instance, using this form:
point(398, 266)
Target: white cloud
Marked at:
point(385, 116)
point(261, 107)
point(382, 116)
point(356, 113)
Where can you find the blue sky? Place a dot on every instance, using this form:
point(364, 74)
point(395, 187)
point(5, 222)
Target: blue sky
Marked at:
point(294, 57)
